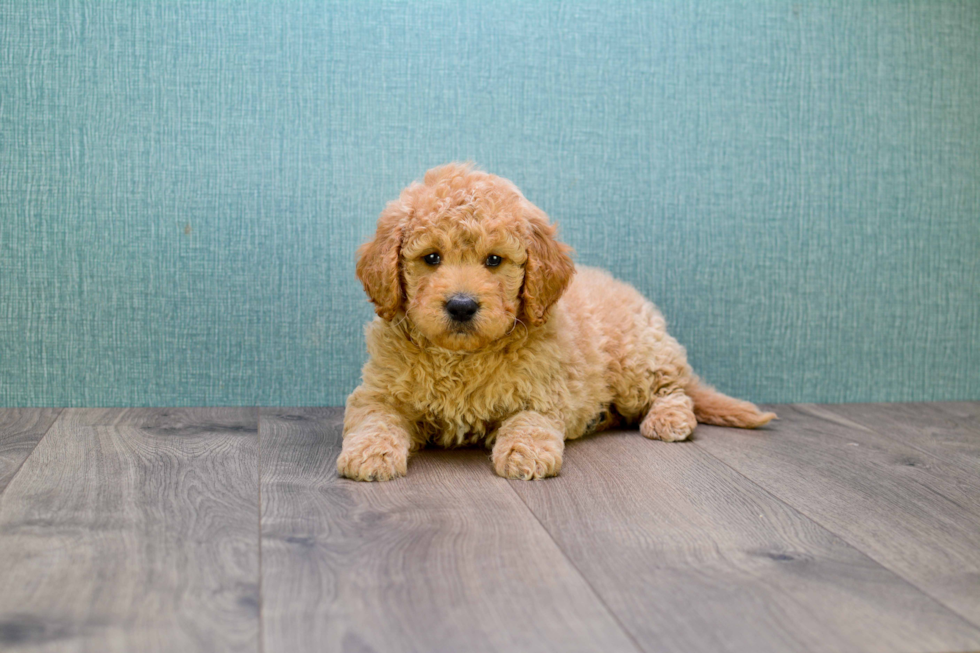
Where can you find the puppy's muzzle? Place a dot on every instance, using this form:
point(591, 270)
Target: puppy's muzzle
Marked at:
point(462, 308)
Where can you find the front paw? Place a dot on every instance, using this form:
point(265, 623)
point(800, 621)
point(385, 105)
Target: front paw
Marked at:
point(526, 456)
point(369, 458)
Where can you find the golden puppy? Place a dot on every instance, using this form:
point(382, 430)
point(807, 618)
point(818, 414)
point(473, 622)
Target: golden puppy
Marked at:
point(485, 334)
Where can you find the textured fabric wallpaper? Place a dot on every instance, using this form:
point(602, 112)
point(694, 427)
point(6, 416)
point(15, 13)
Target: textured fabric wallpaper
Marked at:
point(183, 184)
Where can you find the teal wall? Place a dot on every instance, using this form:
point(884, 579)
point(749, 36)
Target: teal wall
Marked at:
point(183, 184)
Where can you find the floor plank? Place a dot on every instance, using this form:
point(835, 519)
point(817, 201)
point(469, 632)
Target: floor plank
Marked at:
point(969, 411)
point(691, 556)
point(910, 512)
point(134, 530)
point(20, 431)
point(447, 559)
point(950, 431)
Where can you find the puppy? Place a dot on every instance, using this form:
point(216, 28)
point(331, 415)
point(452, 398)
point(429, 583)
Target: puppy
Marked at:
point(486, 334)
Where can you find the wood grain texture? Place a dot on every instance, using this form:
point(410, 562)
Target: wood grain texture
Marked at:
point(691, 556)
point(20, 431)
point(914, 514)
point(950, 431)
point(134, 530)
point(447, 559)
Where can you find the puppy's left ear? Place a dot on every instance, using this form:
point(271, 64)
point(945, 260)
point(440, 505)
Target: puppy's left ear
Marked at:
point(549, 267)
point(377, 262)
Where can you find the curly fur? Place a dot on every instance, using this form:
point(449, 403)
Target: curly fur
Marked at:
point(552, 354)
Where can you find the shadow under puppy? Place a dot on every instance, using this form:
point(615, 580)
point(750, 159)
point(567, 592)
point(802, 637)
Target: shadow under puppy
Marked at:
point(486, 334)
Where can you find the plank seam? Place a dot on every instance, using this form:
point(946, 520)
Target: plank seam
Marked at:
point(578, 571)
point(843, 538)
point(897, 441)
point(949, 460)
point(13, 478)
point(258, 431)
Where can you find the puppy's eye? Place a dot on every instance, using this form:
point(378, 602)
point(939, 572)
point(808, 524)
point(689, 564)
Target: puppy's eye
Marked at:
point(493, 261)
point(432, 259)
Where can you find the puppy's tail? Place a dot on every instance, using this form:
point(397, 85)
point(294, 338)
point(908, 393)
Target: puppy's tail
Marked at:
point(712, 407)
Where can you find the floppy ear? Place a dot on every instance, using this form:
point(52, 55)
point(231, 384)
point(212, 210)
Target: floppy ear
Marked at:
point(377, 262)
point(548, 270)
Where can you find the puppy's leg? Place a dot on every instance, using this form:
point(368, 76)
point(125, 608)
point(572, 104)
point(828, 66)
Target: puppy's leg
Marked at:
point(377, 440)
point(529, 446)
point(670, 418)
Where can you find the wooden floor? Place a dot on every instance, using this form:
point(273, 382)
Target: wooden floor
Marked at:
point(837, 528)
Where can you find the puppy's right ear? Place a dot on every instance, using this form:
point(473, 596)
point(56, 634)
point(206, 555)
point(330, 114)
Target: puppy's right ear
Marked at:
point(377, 262)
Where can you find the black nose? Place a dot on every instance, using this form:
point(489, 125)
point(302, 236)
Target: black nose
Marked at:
point(462, 308)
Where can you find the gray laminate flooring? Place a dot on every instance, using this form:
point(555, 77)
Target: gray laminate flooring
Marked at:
point(837, 528)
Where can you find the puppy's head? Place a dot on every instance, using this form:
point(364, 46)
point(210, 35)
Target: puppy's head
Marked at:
point(464, 255)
